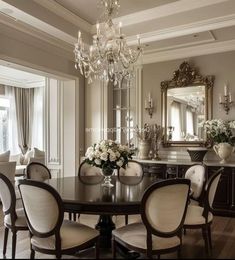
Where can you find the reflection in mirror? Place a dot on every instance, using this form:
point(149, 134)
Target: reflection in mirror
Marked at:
point(186, 104)
point(185, 113)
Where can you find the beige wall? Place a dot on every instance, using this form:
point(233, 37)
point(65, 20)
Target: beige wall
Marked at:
point(221, 65)
point(21, 48)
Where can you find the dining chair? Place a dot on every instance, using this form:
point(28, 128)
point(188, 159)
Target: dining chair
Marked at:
point(85, 169)
point(197, 175)
point(163, 210)
point(14, 219)
point(134, 169)
point(49, 232)
point(198, 217)
point(37, 171)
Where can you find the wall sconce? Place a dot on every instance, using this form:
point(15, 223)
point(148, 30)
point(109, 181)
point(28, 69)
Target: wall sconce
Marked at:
point(149, 105)
point(227, 103)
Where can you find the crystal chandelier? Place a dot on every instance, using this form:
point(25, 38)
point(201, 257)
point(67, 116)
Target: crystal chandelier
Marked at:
point(109, 58)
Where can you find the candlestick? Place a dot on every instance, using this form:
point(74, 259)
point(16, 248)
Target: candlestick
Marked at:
point(220, 99)
point(120, 28)
point(225, 90)
point(149, 96)
point(98, 28)
point(79, 35)
point(138, 38)
point(227, 102)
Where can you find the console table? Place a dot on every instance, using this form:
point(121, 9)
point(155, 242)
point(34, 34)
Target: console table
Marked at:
point(224, 203)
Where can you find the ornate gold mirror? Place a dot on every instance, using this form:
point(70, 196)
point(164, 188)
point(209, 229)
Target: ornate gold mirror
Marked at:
point(186, 104)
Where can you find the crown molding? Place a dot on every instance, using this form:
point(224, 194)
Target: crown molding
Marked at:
point(164, 11)
point(205, 49)
point(177, 46)
point(17, 83)
point(186, 29)
point(39, 34)
point(58, 9)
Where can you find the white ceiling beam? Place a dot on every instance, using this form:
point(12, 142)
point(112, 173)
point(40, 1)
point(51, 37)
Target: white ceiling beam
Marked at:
point(58, 9)
point(205, 49)
point(165, 10)
point(185, 29)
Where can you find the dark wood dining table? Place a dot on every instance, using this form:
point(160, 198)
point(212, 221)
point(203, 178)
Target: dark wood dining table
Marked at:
point(86, 195)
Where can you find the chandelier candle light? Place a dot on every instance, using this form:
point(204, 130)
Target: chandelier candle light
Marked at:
point(227, 103)
point(109, 58)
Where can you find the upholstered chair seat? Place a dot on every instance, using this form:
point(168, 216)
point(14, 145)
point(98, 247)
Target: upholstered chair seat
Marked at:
point(72, 235)
point(135, 235)
point(20, 220)
point(194, 216)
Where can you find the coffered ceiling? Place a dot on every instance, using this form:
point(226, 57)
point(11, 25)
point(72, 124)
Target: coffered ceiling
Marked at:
point(169, 29)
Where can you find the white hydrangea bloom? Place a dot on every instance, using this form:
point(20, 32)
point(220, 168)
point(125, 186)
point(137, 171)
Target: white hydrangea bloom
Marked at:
point(104, 156)
point(98, 161)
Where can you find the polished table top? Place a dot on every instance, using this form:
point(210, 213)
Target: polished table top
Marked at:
point(87, 195)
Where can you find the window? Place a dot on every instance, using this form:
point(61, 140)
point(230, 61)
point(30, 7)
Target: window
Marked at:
point(124, 113)
point(4, 123)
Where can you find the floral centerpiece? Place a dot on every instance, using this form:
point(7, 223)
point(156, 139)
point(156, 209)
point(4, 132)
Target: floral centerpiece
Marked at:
point(108, 155)
point(220, 133)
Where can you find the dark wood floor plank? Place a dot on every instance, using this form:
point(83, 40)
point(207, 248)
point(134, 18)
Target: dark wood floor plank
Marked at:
point(223, 240)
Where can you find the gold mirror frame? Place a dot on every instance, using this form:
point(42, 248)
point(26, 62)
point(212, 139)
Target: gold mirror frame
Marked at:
point(186, 76)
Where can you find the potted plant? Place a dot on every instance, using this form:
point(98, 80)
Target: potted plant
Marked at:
point(220, 135)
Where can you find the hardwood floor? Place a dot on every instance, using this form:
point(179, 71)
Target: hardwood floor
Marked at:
point(223, 236)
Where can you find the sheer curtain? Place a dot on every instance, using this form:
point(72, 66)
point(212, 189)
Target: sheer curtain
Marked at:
point(37, 131)
point(189, 122)
point(24, 115)
point(12, 122)
point(176, 120)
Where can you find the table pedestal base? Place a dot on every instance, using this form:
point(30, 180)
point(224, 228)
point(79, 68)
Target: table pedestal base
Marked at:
point(105, 226)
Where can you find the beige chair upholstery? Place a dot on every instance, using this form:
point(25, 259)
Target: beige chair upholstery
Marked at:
point(37, 171)
point(50, 234)
point(196, 174)
point(201, 217)
point(163, 210)
point(14, 220)
point(86, 169)
point(133, 168)
point(8, 169)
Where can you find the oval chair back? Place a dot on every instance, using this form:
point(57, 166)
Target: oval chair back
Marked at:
point(37, 171)
point(133, 168)
point(44, 210)
point(211, 187)
point(8, 198)
point(164, 207)
point(85, 169)
point(197, 175)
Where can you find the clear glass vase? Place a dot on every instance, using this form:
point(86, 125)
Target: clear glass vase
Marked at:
point(107, 172)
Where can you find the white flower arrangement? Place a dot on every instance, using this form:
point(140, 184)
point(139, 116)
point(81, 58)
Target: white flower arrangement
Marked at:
point(108, 154)
point(220, 131)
